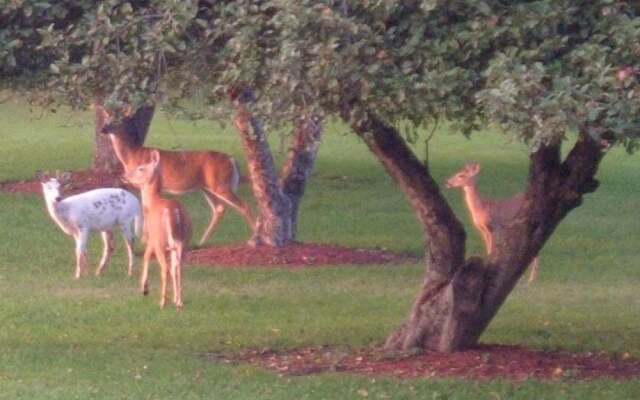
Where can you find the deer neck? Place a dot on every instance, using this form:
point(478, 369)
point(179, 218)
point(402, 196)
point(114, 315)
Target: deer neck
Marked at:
point(58, 212)
point(472, 197)
point(150, 192)
point(128, 153)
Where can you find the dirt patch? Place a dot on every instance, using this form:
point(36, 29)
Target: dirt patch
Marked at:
point(485, 362)
point(297, 254)
point(79, 181)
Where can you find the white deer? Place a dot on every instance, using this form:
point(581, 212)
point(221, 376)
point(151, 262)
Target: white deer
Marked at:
point(99, 210)
point(487, 215)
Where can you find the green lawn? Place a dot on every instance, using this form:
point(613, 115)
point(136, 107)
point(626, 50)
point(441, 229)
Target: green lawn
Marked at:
point(98, 338)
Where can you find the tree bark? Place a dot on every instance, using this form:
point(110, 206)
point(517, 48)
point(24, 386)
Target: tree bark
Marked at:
point(104, 158)
point(460, 297)
point(273, 226)
point(278, 200)
point(299, 164)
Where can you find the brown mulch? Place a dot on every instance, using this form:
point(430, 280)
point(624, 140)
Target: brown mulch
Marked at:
point(486, 362)
point(294, 255)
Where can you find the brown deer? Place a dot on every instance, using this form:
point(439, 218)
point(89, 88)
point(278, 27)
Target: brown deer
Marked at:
point(167, 229)
point(216, 174)
point(487, 214)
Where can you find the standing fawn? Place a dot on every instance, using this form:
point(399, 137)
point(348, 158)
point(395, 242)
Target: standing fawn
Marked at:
point(216, 174)
point(487, 215)
point(167, 229)
point(96, 210)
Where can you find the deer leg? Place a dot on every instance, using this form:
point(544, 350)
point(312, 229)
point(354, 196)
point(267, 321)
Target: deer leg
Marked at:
point(129, 244)
point(164, 273)
point(217, 212)
point(107, 251)
point(144, 275)
point(490, 248)
point(129, 239)
point(239, 205)
point(486, 238)
point(533, 270)
point(176, 276)
point(81, 254)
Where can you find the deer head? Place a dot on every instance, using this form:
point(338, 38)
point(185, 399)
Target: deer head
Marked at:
point(51, 189)
point(113, 121)
point(144, 173)
point(464, 177)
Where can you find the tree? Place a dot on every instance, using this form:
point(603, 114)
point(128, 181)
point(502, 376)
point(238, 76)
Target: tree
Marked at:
point(143, 54)
point(233, 43)
point(544, 71)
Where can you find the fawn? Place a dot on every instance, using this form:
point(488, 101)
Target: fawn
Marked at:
point(167, 229)
point(488, 214)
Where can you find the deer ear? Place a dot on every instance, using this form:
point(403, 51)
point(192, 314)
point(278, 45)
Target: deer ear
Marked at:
point(474, 168)
point(155, 157)
point(41, 176)
point(127, 110)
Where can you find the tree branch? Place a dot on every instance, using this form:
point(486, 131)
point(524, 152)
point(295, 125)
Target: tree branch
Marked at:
point(444, 234)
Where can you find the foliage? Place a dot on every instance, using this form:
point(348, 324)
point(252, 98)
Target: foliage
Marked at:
point(568, 66)
point(22, 23)
point(537, 68)
point(118, 51)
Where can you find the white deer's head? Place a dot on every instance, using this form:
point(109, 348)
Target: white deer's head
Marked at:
point(51, 189)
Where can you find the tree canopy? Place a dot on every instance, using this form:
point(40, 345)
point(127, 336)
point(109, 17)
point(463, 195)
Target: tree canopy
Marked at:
point(539, 69)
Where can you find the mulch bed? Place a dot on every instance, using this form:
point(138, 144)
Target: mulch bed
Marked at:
point(486, 362)
point(294, 255)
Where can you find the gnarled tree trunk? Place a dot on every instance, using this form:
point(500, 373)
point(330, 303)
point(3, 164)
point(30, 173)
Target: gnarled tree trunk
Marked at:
point(278, 200)
point(273, 226)
point(299, 164)
point(460, 296)
point(104, 158)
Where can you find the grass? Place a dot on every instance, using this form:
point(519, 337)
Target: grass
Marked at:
point(98, 338)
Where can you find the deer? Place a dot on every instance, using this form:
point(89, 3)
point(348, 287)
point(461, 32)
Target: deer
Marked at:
point(100, 210)
point(215, 173)
point(487, 215)
point(167, 229)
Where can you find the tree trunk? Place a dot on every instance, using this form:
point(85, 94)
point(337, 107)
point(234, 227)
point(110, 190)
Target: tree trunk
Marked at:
point(278, 200)
point(299, 164)
point(104, 158)
point(460, 297)
point(273, 226)
point(554, 189)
